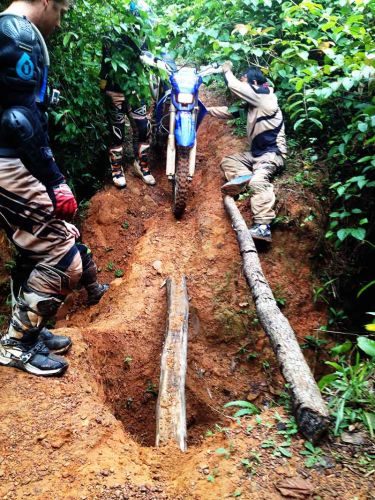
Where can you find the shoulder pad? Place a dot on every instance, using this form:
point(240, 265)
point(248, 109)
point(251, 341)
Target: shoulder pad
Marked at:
point(18, 29)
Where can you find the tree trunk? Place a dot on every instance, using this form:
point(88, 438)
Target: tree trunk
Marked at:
point(310, 410)
point(171, 405)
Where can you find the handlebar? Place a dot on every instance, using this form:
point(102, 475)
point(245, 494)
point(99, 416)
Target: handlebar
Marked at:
point(210, 70)
point(150, 60)
point(155, 62)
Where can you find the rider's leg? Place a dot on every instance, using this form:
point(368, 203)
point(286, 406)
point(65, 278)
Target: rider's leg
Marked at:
point(116, 119)
point(26, 215)
point(141, 127)
point(263, 198)
point(237, 169)
point(89, 278)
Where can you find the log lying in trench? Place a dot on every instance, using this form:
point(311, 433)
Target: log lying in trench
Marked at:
point(171, 404)
point(309, 408)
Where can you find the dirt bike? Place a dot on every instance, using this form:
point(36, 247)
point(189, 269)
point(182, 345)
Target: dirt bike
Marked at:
point(177, 115)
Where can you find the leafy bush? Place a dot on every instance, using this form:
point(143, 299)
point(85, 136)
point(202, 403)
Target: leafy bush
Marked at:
point(350, 388)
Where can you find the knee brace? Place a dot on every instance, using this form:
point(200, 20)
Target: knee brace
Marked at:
point(51, 280)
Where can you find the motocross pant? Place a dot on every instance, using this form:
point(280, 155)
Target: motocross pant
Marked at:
point(45, 244)
point(264, 168)
point(117, 109)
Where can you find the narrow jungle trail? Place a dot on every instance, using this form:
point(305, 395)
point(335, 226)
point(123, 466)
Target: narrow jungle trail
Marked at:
point(90, 434)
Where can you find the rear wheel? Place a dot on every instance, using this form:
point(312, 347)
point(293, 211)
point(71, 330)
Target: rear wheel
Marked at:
point(181, 182)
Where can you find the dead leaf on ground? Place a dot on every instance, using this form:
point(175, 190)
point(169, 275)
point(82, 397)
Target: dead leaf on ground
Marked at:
point(356, 438)
point(295, 488)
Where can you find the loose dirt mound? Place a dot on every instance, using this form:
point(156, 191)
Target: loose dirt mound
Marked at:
point(90, 434)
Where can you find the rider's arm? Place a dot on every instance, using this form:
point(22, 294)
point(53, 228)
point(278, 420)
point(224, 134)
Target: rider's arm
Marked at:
point(222, 112)
point(242, 89)
point(23, 124)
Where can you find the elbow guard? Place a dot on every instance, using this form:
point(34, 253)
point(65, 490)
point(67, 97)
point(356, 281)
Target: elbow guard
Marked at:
point(27, 136)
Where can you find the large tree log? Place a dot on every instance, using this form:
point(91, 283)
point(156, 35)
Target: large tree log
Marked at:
point(171, 405)
point(310, 410)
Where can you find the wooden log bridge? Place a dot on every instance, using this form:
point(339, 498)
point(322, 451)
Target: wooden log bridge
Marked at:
point(309, 408)
point(171, 404)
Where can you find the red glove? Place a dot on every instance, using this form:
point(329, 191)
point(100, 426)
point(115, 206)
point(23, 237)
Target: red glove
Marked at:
point(65, 203)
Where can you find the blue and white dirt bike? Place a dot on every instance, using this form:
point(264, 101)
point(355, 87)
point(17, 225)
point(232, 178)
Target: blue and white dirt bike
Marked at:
point(177, 114)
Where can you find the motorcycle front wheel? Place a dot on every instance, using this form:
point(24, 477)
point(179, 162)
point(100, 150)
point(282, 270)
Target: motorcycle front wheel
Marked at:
point(181, 182)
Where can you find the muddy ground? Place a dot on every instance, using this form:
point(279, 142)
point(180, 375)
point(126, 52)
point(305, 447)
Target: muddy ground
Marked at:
point(90, 434)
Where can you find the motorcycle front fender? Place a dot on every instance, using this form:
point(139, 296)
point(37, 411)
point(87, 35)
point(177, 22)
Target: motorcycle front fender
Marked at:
point(185, 131)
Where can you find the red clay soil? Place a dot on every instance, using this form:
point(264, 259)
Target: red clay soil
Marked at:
point(90, 434)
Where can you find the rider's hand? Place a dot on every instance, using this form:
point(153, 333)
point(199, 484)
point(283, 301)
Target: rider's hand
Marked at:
point(227, 66)
point(73, 230)
point(64, 202)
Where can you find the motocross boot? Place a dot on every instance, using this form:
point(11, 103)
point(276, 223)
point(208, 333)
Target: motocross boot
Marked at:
point(59, 344)
point(95, 292)
point(21, 347)
point(141, 165)
point(116, 159)
point(89, 278)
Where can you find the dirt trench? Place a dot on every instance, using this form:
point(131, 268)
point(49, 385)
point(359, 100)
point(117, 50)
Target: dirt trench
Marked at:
point(91, 433)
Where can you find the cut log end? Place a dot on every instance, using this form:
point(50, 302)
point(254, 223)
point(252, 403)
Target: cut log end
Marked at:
point(311, 424)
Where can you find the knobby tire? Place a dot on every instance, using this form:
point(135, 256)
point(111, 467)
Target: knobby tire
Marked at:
point(181, 182)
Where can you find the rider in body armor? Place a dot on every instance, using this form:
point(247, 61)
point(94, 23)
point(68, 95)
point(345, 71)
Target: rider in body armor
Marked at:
point(120, 102)
point(36, 203)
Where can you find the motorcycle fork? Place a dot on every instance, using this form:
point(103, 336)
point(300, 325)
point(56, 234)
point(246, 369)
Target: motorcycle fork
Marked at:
point(193, 150)
point(171, 147)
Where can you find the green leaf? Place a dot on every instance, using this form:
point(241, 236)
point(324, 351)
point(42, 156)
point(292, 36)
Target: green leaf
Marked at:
point(362, 290)
point(366, 345)
point(285, 452)
point(243, 404)
point(358, 233)
point(66, 39)
point(244, 411)
point(326, 380)
point(342, 348)
point(338, 367)
point(342, 234)
point(347, 83)
point(298, 123)
point(221, 451)
point(318, 123)
point(362, 126)
point(309, 446)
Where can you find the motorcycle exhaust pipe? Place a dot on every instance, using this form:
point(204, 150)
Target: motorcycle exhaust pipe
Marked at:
point(171, 148)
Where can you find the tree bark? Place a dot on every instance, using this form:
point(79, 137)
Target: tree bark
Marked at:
point(171, 404)
point(309, 408)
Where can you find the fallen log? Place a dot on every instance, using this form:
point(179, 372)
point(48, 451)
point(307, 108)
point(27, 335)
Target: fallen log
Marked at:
point(309, 408)
point(171, 404)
